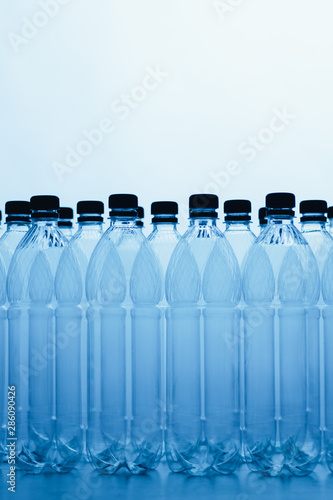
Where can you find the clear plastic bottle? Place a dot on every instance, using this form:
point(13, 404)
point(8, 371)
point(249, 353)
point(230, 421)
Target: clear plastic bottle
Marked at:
point(327, 290)
point(262, 216)
point(65, 221)
point(203, 290)
point(18, 222)
point(281, 289)
point(330, 220)
point(1, 226)
point(124, 287)
point(163, 239)
point(90, 230)
point(3, 363)
point(238, 231)
point(241, 238)
point(313, 228)
point(141, 216)
point(32, 340)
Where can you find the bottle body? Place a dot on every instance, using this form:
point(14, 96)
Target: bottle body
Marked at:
point(203, 288)
point(321, 244)
point(327, 292)
point(8, 243)
point(124, 415)
point(281, 321)
point(241, 239)
point(3, 364)
point(83, 244)
point(163, 240)
point(32, 342)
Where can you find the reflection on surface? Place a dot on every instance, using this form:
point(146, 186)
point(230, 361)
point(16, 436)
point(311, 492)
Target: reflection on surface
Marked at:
point(85, 484)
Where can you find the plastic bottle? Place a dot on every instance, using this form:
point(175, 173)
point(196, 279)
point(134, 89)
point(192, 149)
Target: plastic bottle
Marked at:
point(1, 226)
point(327, 290)
point(18, 222)
point(241, 238)
point(32, 338)
point(330, 220)
point(141, 216)
point(90, 230)
point(65, 222)
point(262, 216)
point(281, 288)
point(238, 231)
point(313, 227)
point(124, 287)
point(163, 239)
point(203, 290)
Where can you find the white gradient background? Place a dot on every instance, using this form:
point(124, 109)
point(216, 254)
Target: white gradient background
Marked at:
point(225, 78)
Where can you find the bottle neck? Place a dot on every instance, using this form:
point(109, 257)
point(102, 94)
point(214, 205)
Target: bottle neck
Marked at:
point(310, 226)
point(51, 222)
point(281, 218)
point(12, 225)
point(237, 226)
point(164, 227)
point(90, 225)
point(124, 222)
point(206, 221)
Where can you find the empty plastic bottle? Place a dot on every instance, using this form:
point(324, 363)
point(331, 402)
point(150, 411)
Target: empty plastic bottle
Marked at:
point(141, 216)
point(163, 239)
point(65, 221)
point(281, 288)
point(124, 287)
point(262, 216)
point(18, 221)
point(313, 227)
point(31, 291)
point(330, 220)
point(203, 290)
point(241, 238)
point(1, 226)
point(84, 241)
point(238, 231)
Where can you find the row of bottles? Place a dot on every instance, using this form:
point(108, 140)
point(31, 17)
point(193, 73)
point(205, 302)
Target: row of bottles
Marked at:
point(213, 348)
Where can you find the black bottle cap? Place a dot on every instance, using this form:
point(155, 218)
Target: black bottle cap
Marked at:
point(277, 203)
point(17, 207)
point(18, 211)
point(66, 213)
point(330, 212)
point(262, 216)
point(164, 211)
point(44, 206)
point(141, 215)
point(90, 207)
point(123, 205)
point(313, 210)
point(203, 205)
point(237, 210)
point(90, 211)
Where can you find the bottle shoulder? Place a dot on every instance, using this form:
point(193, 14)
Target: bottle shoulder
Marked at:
point(280, 267)
point(203, 269)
